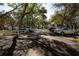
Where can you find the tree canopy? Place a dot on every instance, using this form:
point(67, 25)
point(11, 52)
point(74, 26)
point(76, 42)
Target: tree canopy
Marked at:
point(68, 14)
point(26, 14)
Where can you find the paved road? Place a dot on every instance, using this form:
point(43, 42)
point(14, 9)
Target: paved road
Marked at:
point(41, 37)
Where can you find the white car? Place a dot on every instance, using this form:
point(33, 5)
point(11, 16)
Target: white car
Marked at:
point(65, 31)
point(57, 30)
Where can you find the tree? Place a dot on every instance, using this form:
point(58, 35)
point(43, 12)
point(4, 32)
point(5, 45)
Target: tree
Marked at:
point(30, 14)
point(6, 20)
point(70, 12)
point(26, 14)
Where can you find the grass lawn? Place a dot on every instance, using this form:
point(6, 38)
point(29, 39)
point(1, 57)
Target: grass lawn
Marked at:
point(7, 32)
point(77, 39)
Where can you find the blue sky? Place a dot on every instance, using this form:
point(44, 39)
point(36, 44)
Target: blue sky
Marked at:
point(5, 7)
point(50, 9)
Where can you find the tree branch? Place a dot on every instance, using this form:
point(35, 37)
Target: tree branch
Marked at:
point(24, 13)
point(30, 10)
point(9, 11)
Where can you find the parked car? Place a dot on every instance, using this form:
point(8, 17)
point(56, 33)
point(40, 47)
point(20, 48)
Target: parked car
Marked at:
point(64, 31)
point(69, 31)
point(58, 30)
point(25, 30)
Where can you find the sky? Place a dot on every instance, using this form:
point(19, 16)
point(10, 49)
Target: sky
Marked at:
point(50, 9)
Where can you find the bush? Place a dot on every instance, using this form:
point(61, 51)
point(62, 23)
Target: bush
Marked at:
point(7, 32)
point(77, 39)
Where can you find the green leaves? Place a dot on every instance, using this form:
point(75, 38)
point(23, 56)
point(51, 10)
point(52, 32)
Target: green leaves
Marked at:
point(57, 18)
point(69, 12)
point(25, 14)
